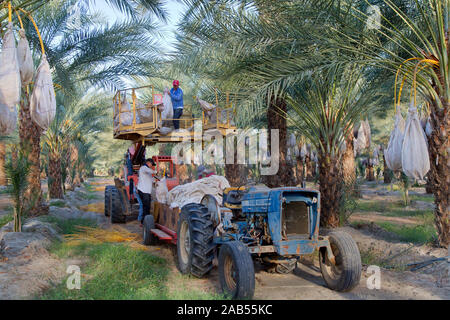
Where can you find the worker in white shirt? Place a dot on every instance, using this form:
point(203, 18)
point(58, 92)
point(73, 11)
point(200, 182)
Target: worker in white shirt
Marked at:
point(144, 187)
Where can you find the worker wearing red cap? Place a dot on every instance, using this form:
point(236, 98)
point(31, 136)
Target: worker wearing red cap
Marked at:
point(176, 94)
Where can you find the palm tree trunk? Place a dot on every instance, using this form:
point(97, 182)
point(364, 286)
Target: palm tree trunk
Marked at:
point(387, 173)
point(370, 173)
point(276, 119)
point(2, 164)
point(440, 169)
point(30, 142)
point(235, 172)
point(299, 171)
point(54, 177)
point(330, 190)
point(348, 163)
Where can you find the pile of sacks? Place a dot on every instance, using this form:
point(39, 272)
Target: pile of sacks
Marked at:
point(16, 70)
point(407, 149)
point(144, 113)
point(192, 192)
point(211, 113)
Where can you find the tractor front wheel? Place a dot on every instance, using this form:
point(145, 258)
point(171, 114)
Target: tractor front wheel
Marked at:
point(345, 272)
point(236, 270)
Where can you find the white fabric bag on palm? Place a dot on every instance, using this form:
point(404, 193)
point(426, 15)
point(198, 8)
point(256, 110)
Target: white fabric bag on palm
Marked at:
point(361, 141)
point(26, 65)
point(367, 133)
point(43, 100)
point(393, 153)
point(9, 72)
point(415, 158)
point(291, 141)
point(8, 120)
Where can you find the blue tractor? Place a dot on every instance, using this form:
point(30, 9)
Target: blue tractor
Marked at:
point(273, 226)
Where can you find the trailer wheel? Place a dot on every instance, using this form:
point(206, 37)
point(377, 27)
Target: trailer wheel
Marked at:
point(108, 200)
point(149, 224)
point(117, 208)
point(236, 270)
point(195, 247)
point(345, 274)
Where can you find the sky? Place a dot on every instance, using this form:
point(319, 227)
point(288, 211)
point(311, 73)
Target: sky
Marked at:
point(175, 12)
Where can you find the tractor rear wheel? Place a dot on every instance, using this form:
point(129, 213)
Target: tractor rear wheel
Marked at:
point(195, 247)
point(345, 273)
point(117, 207)
point(108, 200)
point(236, 270)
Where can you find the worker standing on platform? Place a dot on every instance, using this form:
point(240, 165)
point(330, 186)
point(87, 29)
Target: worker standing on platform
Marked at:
point(144, 187)
point(176, 94)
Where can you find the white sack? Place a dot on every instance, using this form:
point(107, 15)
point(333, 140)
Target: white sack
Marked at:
point(43, 100)
point(26, 65)
point(126, 115)
point(9, 71)
point(8, 120)
point(195, 191)
point(165, 130)
point(393, 153)
point(161, 191)
point(143, 113)
point(167, 113)
point(206, 106)
point(415, 158)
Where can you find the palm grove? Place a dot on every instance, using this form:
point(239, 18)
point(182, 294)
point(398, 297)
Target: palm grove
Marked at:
point(314, 67)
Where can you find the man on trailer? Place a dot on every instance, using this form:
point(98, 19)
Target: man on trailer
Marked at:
point(144, 187)
point(176, 94)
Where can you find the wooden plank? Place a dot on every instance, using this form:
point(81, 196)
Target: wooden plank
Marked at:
point(161, 234)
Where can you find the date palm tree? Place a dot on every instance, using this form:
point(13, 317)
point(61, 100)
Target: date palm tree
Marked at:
point(413, 36)
point(94, 54)
point(76, 118)
point(325, 109)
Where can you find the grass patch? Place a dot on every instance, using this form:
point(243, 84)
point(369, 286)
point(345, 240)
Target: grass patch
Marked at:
point(69, 226)
point(6, 219)
point(90, 195)
point(419, 197)
point(58, 203)
point(391, 208)
point(423, 233)
point(117, 272)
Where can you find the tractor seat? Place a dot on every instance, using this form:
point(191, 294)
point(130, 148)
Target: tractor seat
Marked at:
point(234, 197)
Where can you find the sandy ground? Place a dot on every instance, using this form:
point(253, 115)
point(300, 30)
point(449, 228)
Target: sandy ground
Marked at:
point(27, 275)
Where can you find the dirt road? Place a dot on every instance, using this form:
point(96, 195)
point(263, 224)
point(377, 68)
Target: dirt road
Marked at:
point(305, 283)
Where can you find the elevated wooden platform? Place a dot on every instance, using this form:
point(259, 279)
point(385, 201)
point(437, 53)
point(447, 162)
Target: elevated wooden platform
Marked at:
point(140, 121)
